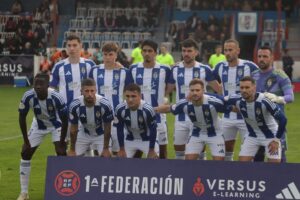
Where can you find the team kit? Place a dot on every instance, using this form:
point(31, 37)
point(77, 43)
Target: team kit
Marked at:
point(109, 110)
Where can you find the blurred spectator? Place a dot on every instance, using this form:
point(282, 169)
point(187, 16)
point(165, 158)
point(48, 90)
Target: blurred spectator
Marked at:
point(109, 21)
point(98, 22)
point(246, 6)
point(86, 54)
point(165, 57)
point(40, 31)
point(45, 65)
point(121, 20)
point(28, 50)
point(97, 56)
point(55, 55)
point(195, 5)
point(287, 62)
point(216, 57)
point(40, 49)
point(191, 22)
point(200, 34)
point(133, 20)
point(17, 7)
point(122, 58)
point(63, 54)
point(37, 15)
point(11, 25)
point(171, 35)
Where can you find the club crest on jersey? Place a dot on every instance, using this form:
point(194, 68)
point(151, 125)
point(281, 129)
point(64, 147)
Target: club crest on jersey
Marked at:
point(98, 114)
point(240, 72)
point(50, 108)
point(258, 111)
point(196, 74)
point(116, 76)
point(141, 120)
point(206, 113)
point(83, 70)
point(21, 106)
point(155, 75)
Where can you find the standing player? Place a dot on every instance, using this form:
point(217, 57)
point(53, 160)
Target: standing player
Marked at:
point(203, 112)
point(110, 81)
point(181, 75)
point(264, 119)
point(153, 78)
point(230, 73)
point(139, 119)
point(92, 115)
point(67, 74)
point(51, 116)
point(277, 87)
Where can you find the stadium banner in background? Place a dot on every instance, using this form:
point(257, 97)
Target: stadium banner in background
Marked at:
point(15, 65)
point(79, 178)
point(247, 22)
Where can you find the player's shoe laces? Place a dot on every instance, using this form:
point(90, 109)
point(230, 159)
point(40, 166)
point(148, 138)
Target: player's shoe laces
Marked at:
point(23, 196)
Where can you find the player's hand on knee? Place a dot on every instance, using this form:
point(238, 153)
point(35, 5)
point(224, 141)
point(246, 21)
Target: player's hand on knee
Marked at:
point(122, 153)
point(71, 153)
point(106, 153)
point(152, 154)
point(273, 146)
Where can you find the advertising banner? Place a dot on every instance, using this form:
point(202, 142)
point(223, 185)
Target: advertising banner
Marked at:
point(15, 65)
point(92, 178)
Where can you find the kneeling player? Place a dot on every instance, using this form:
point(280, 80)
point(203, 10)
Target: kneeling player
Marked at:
point(139, 120)
point(203, 112)
point(93, 114)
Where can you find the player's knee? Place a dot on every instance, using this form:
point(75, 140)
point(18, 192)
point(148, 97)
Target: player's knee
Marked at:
point(26, 154)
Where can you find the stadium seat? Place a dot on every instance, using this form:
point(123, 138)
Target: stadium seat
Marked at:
point(81, 13)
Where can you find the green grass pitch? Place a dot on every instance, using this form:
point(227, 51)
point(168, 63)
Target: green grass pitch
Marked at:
point(11, 141)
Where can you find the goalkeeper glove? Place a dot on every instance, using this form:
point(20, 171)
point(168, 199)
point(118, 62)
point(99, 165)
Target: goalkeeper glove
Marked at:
point(275, 98)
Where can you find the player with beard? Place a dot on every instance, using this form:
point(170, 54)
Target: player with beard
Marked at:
point(277, 87)
point(202, 110)
point(264, 119)
point(230, 72)
point(181, 75)
point(90, 116)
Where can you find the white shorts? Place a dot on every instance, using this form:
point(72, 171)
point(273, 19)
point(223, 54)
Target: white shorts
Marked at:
point(162, 131)
point(86, 142)
point(230, 127)
point(132, 146)
point(216, 144)
point(251, 146)
point(182, 131)
point(35, 136)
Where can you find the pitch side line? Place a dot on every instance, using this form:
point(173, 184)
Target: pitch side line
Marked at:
point(10, 138)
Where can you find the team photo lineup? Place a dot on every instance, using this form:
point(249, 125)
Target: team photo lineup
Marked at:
point(110, 111)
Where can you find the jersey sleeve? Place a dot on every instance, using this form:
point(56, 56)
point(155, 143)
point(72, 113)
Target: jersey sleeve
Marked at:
point(151, 121)
point(168, 75)
point(171, 78)
point(277, 113)
point(24, 104)
point(60, 105)
point(179, 107)
point(54, 76)
point(218, 103)
point(73, 116)
point(107, 114)
point(209, 74)
point(287, 88)
point(129, 78)
point(119, 124)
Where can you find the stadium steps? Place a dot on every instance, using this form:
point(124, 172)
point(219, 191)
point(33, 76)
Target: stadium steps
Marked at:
point(293, 42)
point(62, 27)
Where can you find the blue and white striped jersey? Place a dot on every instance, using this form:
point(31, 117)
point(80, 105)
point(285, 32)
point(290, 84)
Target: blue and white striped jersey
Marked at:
point(140, 124)
point(205, 117)
point(111, 83)
point(67, 77)
point(230, 78)
point(181, 76)
point(264, 119)
point(47, 112)
point(153, 83)
point(91, 119)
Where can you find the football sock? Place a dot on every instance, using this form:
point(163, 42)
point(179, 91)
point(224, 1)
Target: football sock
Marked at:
point(24, 175)
point(202, 156)
point(229, 156)
point(179, 155)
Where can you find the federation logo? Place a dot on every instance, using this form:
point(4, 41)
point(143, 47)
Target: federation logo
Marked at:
point(198, 188)
point(67, 183)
